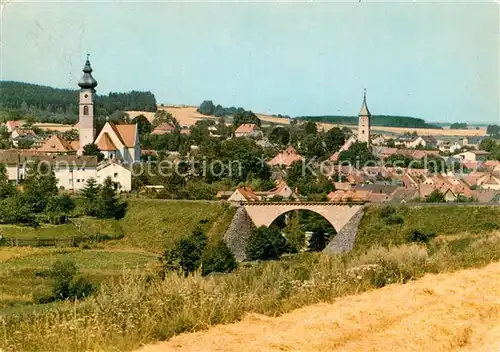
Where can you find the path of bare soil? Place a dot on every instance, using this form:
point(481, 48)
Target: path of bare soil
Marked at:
point(446, 312)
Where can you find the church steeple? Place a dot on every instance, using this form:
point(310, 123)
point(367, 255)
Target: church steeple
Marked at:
point(364, 108)
point(364, 122)
point(86, 124)
point(87, 81)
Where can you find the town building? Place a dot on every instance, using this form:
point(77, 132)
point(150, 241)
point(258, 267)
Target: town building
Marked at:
point(474, 155)
point(56, 144)
point(244, 194)
point(248, 130)
point(286, 158)
point(71, 171)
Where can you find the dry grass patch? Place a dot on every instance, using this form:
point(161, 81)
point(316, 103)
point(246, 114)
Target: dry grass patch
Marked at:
point(445, 312)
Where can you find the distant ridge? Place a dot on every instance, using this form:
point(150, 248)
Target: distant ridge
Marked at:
point(375, 120)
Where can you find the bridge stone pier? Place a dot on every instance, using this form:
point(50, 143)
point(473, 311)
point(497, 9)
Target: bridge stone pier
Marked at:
point(344, 217)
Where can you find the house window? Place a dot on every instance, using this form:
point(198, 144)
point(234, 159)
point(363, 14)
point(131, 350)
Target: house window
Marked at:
point(115, 175)
point(85, 110)
point(77, 180)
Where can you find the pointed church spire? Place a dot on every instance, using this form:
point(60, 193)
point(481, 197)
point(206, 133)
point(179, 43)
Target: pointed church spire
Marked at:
point(364, 108)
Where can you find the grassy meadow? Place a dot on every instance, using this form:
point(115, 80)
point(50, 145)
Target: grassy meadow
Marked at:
point(133, 306)
point(134, 242)
point(381, 227)
point(153, 225)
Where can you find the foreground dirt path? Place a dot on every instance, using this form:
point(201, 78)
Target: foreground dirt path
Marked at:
point(446, 312)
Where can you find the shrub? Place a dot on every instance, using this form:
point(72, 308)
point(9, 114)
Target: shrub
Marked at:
point(217, 258)
point(266, 243)
point(420, 237)
point(490, 226)
point(186, 253)
point(66, 284)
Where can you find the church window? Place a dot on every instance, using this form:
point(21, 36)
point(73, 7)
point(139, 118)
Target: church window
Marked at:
point(362, 131)
point(85, 110)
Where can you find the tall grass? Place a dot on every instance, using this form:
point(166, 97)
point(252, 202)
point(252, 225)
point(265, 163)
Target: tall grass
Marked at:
point(378, 227)
point(139, 309)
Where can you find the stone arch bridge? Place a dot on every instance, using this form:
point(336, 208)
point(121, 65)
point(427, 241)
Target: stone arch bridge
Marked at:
point(344, 217)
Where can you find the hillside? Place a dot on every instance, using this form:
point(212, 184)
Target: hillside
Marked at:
point(375, 120)
point(154, 224)
point(20, 98)
point(187, 116)
point(446, 312)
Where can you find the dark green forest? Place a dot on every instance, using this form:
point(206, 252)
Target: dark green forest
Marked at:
point(375, 120)
point(61, 105)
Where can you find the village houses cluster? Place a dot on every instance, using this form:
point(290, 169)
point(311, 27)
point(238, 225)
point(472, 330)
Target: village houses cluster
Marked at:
point(121, 147)
point(394, 184)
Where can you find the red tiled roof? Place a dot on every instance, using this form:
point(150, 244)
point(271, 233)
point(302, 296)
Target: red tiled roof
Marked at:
point(105, 143)
point(246, 128)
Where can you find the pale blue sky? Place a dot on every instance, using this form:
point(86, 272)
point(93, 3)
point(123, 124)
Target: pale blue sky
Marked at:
point(437, 61)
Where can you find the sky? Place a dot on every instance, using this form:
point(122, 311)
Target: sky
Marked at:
point(436, 61)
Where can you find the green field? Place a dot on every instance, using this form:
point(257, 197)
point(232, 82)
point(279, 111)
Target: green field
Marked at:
point(376, 228)
point(27, 275)
point(44, 231)
point(135, 242)
point(155, 224)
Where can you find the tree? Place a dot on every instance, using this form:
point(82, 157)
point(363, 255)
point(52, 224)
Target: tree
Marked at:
point(162, 116)
point(90, 193)
point(266, 243)
point(242, 117)
point(93, 149)
point(207, 108)
point(357, 155)
point(25, 143)
point(66, 284)
point(217, 258)
point(40, 185)
point(108, 205)
point(71, 135)
point(493, 130)
point(488, 144)
point(6, 188)
point(143, 124)
point(334, 139)
point(310, 127)
point(313, 146)
point(186, 253)
point(459, 126)
point(280, 136)
point(58, 208)
point(15, 210)
point(435, 164)
point(435, 197)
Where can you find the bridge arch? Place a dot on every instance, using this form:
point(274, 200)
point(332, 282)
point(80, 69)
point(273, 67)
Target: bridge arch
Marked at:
point(337, 214)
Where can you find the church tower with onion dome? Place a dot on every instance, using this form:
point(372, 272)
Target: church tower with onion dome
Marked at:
point(86, 124)
point(364, 123)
